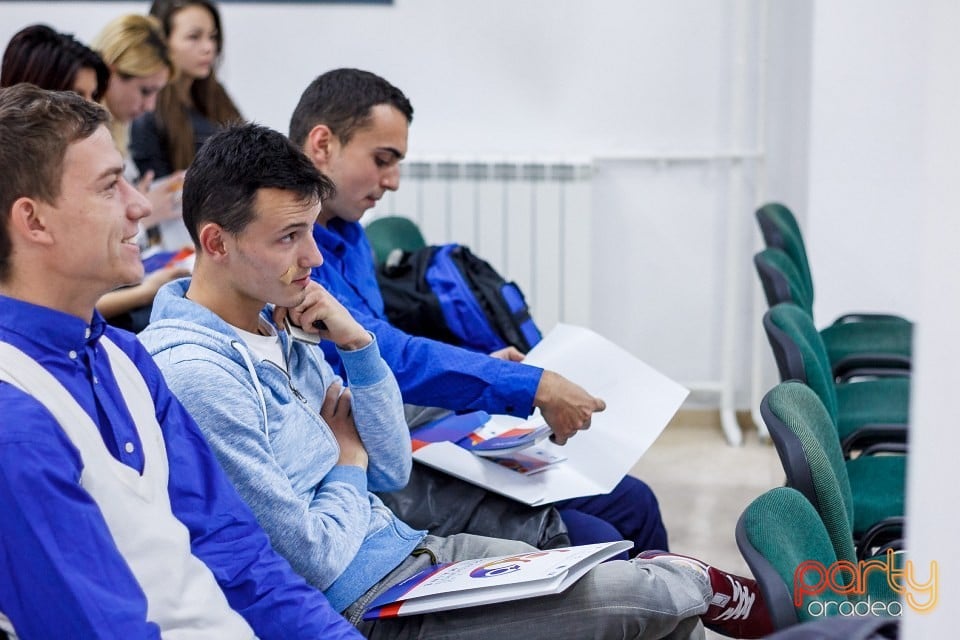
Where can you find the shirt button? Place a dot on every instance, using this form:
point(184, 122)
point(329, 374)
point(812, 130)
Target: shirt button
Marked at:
point(86, 334)
point(96, 380)
point(73, 355)
point(128, 447)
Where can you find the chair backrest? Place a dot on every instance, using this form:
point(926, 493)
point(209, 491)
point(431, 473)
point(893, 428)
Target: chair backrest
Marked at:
point(779, 228)
point(800, 352)
point(780, 279)
point(776, 534)
point(393, 232)
point(809, 450)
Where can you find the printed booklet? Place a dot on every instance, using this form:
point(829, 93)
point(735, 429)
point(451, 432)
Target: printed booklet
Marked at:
point(471, 583)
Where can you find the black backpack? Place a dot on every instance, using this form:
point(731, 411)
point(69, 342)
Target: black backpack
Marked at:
point(448, 294)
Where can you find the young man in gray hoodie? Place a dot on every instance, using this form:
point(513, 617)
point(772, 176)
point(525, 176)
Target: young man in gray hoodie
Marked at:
point(306, 454)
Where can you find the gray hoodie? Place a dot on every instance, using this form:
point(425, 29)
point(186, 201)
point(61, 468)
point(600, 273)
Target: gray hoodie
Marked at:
point(264, 425)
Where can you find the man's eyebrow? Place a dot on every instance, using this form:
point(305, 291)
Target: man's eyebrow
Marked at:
point(110, 172)
point(396, 153)
point(296, 225)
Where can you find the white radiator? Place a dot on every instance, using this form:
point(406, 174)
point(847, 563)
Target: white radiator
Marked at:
point(530, 220)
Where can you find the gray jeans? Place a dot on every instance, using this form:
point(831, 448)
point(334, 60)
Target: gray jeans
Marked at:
point(617, 599)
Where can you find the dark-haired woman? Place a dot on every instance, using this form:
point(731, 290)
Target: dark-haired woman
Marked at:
point(192, 106)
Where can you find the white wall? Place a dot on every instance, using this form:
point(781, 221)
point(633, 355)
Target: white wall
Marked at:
point(867, 124)
point(885, 152)
point(497, 77)
point(933, 477)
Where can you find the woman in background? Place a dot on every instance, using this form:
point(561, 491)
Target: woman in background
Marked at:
point(194, 105)
point(133, 48)
point(56, 61)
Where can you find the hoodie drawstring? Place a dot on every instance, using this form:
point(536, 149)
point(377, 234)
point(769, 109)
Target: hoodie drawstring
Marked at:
point(241, 348)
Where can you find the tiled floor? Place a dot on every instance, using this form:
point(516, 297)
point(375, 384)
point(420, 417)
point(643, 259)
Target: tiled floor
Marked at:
point(703, 485)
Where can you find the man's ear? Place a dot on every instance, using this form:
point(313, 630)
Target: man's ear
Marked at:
point(28, 220)
point(213, 241)
point(320, 145)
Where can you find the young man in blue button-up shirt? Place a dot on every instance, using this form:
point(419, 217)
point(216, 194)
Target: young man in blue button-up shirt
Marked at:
point(117, 520)
point(353, 125)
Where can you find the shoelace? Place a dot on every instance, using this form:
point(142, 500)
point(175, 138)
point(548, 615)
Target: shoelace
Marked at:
point(742, 598)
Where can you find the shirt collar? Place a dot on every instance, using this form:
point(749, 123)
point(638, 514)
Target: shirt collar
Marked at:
point(329, 242)
point(336, 236)
point(48, 327)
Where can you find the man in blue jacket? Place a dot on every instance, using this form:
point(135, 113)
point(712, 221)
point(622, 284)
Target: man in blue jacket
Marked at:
point(353, 125)
point(307, 456)
point(117, 521)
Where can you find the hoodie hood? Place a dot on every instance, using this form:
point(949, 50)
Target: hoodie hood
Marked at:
point(175, 321)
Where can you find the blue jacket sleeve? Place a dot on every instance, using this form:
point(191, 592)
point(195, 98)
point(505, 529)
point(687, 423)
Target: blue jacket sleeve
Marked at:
point(258, 583)
point(49, 581)
point(435, 374)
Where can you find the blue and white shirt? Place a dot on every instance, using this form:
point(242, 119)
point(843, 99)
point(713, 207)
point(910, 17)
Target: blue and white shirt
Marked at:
point(60, 569)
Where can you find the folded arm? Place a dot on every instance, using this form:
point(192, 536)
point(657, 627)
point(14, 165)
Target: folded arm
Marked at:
point(317, 525)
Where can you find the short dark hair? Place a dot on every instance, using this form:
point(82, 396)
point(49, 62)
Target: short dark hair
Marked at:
point(39, 55)
point(342, 100)
point(232, 165)
point(36, 127)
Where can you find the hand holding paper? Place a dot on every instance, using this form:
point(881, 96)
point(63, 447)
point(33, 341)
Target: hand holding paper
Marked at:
point(565, 406)
point(639, 403)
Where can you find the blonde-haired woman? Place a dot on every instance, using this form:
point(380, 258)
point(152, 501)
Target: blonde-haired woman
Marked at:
point(133, 48)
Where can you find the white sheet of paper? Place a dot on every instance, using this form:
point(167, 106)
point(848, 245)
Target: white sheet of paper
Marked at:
point(640, 402)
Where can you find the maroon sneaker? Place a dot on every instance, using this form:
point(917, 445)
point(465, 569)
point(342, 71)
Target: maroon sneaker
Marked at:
point(737, 609)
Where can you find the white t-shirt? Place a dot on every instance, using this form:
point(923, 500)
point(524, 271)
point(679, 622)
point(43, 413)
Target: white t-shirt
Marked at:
point(266, 347)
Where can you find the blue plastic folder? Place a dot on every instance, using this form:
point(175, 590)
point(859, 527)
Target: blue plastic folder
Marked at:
point(451, 428)
point(462, 429)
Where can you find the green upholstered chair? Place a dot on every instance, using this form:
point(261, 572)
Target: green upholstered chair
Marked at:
point(777, 534)
point(393, 232)
point(852, 347)
point(850, 335)
point(864, 411)
point(858, 500)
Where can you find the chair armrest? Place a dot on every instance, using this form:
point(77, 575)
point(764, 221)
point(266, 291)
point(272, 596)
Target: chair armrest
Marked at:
point(871, 434)
point(871, 364)
point(882, 533)
point(886, 447)
point(872, 317)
